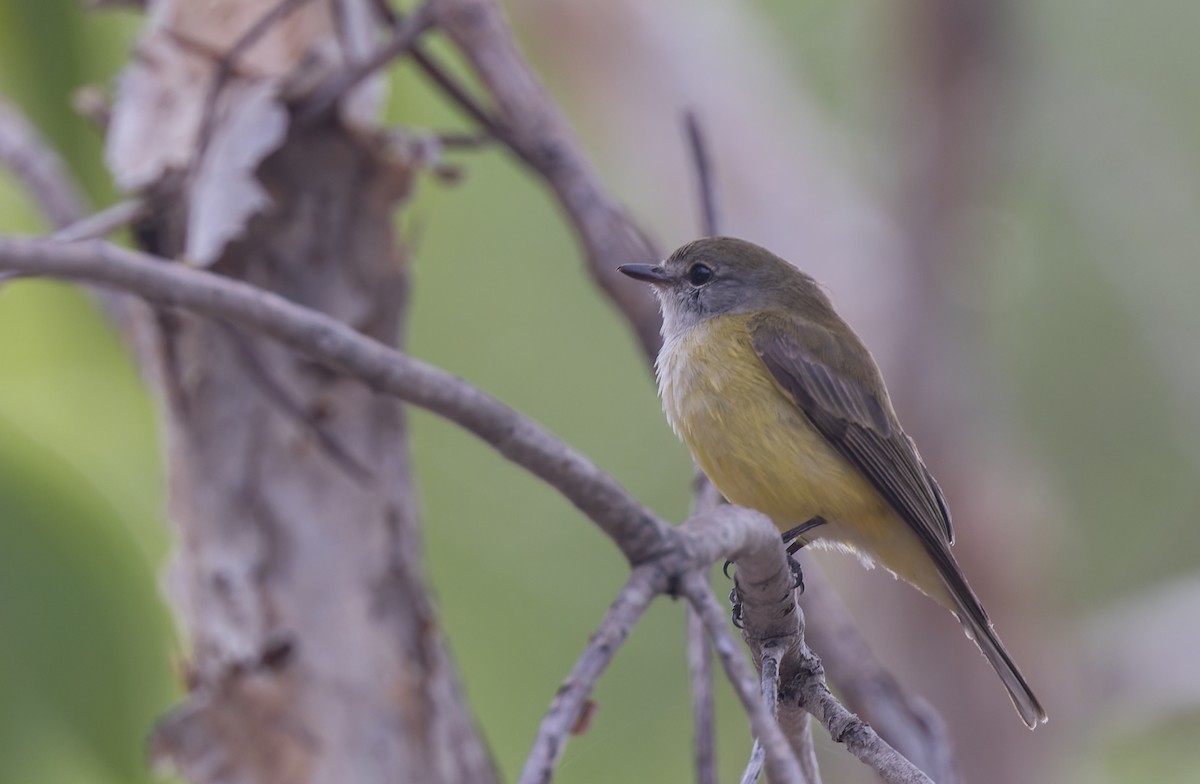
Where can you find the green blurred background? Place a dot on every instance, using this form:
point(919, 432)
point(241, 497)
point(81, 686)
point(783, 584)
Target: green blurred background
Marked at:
point(1080, 309)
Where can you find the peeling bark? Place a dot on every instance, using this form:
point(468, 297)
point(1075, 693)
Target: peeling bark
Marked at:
point(316, 654)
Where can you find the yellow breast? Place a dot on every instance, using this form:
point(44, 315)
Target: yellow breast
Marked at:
point(750, 439)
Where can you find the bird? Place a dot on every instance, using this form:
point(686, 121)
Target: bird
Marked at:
point(784, 409)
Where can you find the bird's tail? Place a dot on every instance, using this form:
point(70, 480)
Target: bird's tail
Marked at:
point(977, 626)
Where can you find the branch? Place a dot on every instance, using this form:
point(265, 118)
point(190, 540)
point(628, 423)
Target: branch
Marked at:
point(39, 168)
point(569, 702)
point(844, 727)
point(635, 529)
point(102, 223)
point(704, 733)
point(705, 498)
point(704, 180)
point(228, 63)
point(782, 765)
point(404, 37)
point(771, 618)
point(768, 684)
point(539, 134)
point(907, 721)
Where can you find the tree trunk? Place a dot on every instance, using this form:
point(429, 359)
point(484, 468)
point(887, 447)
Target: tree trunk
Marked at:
point(314, 650)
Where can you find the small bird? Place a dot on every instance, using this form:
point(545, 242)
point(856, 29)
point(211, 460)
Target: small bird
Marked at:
point(786, 412)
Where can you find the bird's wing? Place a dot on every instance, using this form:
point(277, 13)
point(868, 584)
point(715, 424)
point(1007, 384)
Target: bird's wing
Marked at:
point(854, 421)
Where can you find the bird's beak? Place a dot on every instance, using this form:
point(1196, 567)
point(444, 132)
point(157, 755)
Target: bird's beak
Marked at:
point(650, 273)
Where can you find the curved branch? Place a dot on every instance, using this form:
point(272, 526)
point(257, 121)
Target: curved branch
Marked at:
point(782, 765)
point(909, 723)
point(541, 136)
point(569, 702)
point(636, 530)
point(39, 168)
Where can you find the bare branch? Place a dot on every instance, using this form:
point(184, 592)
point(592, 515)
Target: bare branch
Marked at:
point(808, 686)
point(704, 179)
point(102, 223)
point(754, 767)
point(705, 498)
point(644, 584)
point(704, 733)
point(39, 168)
point(639, 533)
point(403, 39)
point(771, 618)
point(781, 762)
point(42, 171)
point(541, 136)
point(227, 65)
point(773, 627)
point(906, 720)
point(768, 682)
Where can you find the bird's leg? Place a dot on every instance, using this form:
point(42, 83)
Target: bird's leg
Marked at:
point(792, 534)
point(791, 538)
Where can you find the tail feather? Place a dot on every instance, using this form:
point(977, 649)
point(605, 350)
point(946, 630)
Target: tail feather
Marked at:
point(977, 626)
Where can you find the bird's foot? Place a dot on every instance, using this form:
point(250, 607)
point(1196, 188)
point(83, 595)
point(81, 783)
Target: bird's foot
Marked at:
point(736, 609)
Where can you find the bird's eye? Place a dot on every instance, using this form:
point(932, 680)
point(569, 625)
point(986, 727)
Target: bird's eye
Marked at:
point(700, 274)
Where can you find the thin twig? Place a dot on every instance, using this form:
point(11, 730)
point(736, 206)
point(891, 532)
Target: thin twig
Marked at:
point(700, 164)
point(537, 131)
point(808, 686)
point(704, 733)
point(768, 674)
point(39, 168)
point(462, 98)
point(227, 64)
point(639, 533)
point(101, 224)
point(782, 764)
point(644, 584)
point(906, 721)
point(705, 498)
point(758, 756)
point(325, 98)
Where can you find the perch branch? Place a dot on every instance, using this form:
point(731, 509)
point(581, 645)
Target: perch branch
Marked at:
point(636, 530)
point(782, 764)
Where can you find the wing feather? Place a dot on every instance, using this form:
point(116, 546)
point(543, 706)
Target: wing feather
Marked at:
point(854, 421)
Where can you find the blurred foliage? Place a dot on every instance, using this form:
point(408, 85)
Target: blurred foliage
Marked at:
point(1088, 306)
